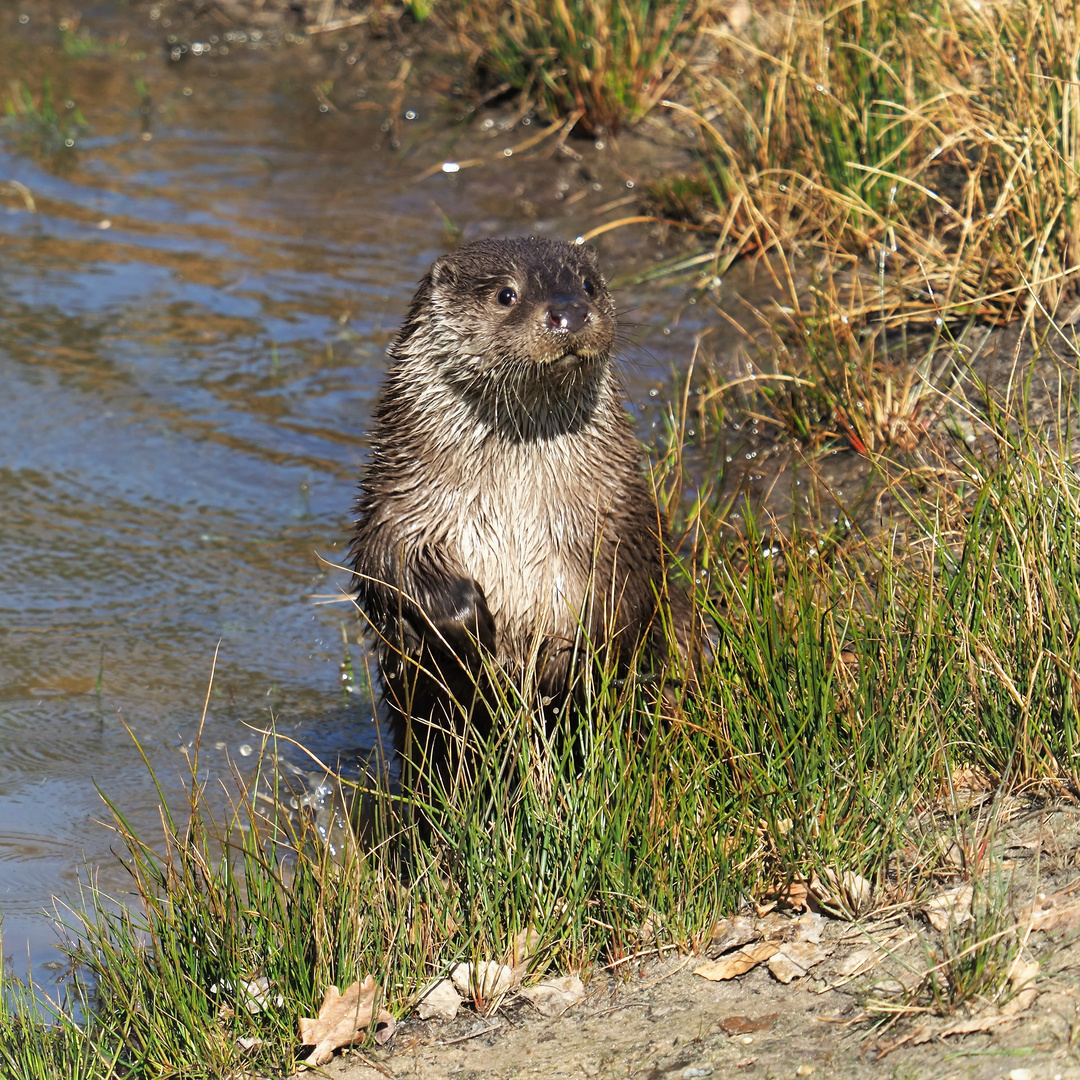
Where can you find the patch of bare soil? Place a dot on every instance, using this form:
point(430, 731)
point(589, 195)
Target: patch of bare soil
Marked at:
point(852, 1007)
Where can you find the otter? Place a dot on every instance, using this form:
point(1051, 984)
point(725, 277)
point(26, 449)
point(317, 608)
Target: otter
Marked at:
point(504, 512)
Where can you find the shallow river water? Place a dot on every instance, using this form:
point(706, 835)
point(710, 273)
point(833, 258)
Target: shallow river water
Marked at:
point(195, 299)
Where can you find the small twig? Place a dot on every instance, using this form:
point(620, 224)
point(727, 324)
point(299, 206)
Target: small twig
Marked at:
point(663, 978)
point(472, 1034)
point(624, 1005)
point(337, 24)
point(371, 1064)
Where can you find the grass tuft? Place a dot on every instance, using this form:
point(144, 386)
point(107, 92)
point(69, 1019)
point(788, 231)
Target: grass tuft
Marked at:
point(606, 62)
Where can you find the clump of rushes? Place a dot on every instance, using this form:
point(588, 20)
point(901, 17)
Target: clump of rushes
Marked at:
point(976, 955)
point(39, 1042)
point(607, 62)
point(976, 960)
point(933, 148)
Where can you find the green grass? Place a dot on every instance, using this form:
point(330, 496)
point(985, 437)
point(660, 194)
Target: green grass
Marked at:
point(38, 1042)
point(930, 150)
point(607, 62)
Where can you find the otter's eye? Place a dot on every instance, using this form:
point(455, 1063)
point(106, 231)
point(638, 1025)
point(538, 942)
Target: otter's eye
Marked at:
point(506, 297)
point(589, 287)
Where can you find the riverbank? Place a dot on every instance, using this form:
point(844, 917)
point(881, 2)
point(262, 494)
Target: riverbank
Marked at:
point(875, 497)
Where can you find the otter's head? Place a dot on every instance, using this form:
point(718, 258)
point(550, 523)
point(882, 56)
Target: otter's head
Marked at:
point(521, 328)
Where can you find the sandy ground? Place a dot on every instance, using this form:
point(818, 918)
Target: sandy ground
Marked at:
point(662, 1019)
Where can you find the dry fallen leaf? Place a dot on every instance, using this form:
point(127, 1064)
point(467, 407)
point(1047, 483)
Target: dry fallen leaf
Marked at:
point(552, 997)
point(1022, 981)
point(1054, 916)
point(795, 959)
point(952, 906)
point(808, 927)
point(730, 934)
point(859, 962)
point(845, 889)
point(343, 1019)
point(1021, 977)
point(439, 1001)
point(744, 1025)
point(485, 980)
point(739, 962)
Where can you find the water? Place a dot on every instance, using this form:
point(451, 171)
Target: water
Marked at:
point(193, 318)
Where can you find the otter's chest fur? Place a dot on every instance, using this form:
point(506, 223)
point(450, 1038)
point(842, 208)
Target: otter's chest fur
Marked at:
point(523, 520)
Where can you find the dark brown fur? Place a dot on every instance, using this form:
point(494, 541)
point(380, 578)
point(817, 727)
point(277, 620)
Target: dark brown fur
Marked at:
point(504, 508)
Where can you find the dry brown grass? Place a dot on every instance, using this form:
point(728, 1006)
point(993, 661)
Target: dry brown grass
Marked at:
point(928, 156)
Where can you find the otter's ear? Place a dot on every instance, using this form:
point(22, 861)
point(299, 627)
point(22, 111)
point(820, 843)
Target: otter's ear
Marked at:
point(442, 274)
point(592, 259)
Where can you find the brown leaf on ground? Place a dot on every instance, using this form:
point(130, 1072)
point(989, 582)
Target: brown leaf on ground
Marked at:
point(795, 896)
point(984, 1022)
point(343, 1019)
point(795, 959)
point(439, 1001)
point(486, 980)
point(798, 938)
point(844, 889)
point(730, 934)
point(552, 997)
point(952, 906)
point(808, 927)
point(859, 962)
point(1022, 981)
point(1053, 917)
point(739, 962)
point(1021, 977)
point(744, 1025)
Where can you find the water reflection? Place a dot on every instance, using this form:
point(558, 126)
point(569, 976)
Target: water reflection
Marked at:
point(192, 325)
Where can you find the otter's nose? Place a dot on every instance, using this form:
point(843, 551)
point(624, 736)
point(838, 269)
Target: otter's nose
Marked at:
point(567, 314)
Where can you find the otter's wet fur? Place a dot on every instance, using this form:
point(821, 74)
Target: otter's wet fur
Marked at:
point(505, 508)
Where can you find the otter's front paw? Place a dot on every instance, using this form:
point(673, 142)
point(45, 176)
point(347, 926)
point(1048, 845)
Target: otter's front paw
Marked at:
point(458, 610)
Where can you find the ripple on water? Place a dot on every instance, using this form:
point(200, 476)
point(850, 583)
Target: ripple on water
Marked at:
point(185, 399)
